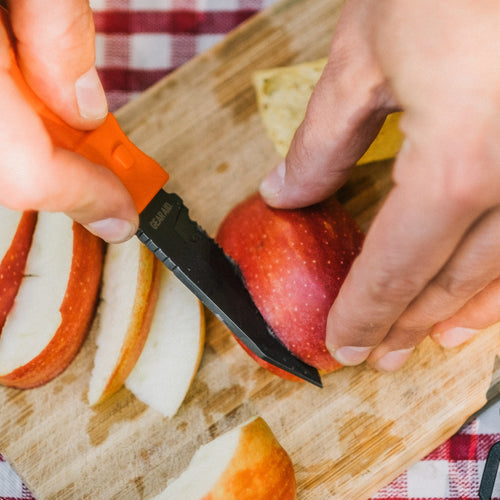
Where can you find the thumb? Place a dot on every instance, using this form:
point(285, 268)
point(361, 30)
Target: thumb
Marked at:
point(346, 110)
point(56, 53)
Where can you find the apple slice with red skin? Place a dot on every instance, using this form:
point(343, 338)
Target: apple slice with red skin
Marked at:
point(172, 353)
point(245, 463)
point(293, 263)
point(55, 304)
point(15, 242)
point(130, 288)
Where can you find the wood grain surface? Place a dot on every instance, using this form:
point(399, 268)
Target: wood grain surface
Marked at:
point(347, 440)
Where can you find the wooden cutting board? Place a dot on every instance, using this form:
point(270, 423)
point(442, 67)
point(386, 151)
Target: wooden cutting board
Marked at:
point(347, 440)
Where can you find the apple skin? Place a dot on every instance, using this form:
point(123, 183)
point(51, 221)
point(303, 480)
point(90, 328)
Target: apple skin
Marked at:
point(245, 463)
point(293, 263)
point(268, 366)
point(260, 469)
point(77, 313)
point(14, 262)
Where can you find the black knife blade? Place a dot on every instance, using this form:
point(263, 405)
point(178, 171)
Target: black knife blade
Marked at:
point(196, 259)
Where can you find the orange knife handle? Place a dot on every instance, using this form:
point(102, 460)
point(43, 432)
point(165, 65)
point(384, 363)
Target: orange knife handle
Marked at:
point(106, 145)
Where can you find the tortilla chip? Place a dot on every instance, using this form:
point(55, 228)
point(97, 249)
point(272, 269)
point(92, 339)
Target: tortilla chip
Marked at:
point(282, 97)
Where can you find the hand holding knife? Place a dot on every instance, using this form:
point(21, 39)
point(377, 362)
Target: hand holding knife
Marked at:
point(167, 230)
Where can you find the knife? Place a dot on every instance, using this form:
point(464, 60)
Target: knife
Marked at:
point(167, 230)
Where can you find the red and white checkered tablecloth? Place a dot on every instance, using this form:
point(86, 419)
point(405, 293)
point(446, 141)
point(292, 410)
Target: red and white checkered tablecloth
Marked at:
point(140, 41)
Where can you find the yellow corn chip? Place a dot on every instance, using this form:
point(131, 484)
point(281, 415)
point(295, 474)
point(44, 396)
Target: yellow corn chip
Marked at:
point(282, 97)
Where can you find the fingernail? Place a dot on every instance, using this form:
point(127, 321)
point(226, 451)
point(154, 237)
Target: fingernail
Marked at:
point(112, 230)
point(393, 360)
point(454, 337)
point(90, 96)
point(351, 355)
point(273, 183)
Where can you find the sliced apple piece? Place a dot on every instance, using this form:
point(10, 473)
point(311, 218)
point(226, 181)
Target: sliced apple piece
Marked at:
point(173, 349)
point(55, 304)
point(15, 242)
point(247, 463)
point(128, 298)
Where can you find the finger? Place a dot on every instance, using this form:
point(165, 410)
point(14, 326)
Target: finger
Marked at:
point(481, 312)
point(415, 233)
point(57, 56)
point(473, 266)
point(346, 110)
point(35, 175)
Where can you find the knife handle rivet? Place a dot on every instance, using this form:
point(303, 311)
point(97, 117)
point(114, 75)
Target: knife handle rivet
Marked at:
point(121, 155)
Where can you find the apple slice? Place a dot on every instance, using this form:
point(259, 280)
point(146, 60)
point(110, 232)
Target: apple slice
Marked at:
point(247, 463)
point(128, 298)
point(55, 304)
point(15, 242)
point(173, 349)
point(293, 263)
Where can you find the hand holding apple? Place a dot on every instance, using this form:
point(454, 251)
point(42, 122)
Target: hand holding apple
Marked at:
point(433, 247)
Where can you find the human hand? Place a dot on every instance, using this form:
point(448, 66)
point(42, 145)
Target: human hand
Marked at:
point(430, 263)
point(55, 48)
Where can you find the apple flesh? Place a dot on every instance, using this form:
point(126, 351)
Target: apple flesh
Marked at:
point(247, 463)
point(128, 298)
point(293, 263)
point(173, 349)
point(15, 242)
point(55, 304)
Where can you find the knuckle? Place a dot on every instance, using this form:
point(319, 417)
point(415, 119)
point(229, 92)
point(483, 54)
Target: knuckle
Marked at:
point(411, 329)
point(462, 191)
point(25, 187)
point(304, 146)
point(466, 179)
point(389, 288)
point(79, 35)
point(27, 196)
point(460, 286)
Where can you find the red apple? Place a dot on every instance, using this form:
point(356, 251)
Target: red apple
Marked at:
point(16, 237)
point(55, 304)
point(293, 263)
